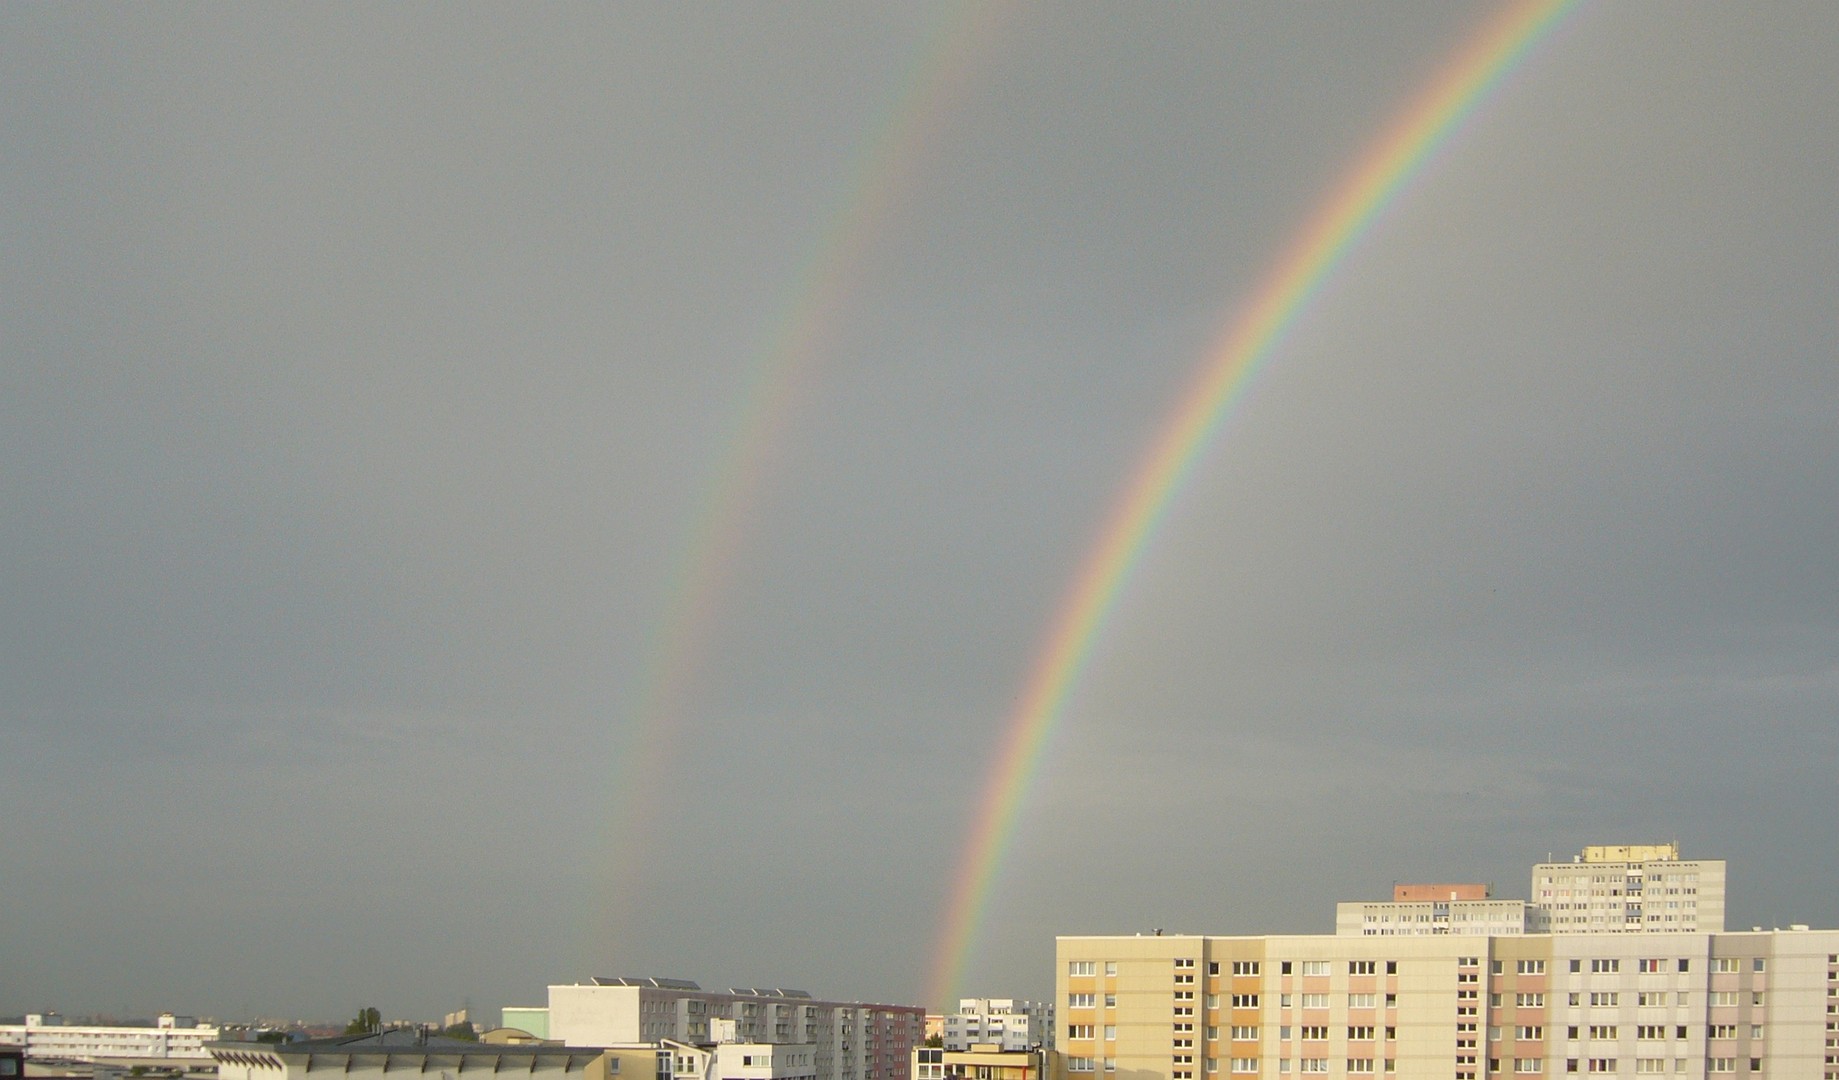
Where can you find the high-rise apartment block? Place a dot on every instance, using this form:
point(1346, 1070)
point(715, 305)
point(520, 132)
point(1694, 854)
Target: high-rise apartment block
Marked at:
point(1461, 1003)
point(1004, 1023)
point(1618, 889)
point(1608, 889)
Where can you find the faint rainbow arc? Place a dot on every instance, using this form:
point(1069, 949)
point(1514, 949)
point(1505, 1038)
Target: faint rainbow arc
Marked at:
point(793, 345)
point(1304, 266)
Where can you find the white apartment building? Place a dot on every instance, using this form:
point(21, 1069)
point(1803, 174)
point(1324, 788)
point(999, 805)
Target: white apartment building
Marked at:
point(1417, 910)
point(1631, 888)
point(1006, 1023)
point(1608, 889)
point(847, 1040)
point(171, 1037)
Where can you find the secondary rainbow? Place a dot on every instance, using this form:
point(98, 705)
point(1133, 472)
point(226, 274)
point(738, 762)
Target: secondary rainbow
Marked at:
point(794, 343)
point(1305, 264)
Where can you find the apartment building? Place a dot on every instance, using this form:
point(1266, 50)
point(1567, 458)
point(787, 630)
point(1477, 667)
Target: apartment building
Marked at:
point(1627, 888)
point(847, 1040)
point(1618, 966)
point(1414, 910)
point(1005, 1023)
point(1467, 1007)
point(1607, 889)
point(169, 1038)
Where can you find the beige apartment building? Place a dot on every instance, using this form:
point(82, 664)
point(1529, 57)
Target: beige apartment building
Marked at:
point(1468, 1000)
point(1456, 1006)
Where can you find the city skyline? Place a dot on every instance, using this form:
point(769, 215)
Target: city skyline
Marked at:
point(498, 498)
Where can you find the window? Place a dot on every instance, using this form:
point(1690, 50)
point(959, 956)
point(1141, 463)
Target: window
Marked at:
point(1245, 967)
point(1650, 1032)
point(1721, 1065)
point(1529, 1001)
point(1184, 980)
point(1360, 967)
point(1080, 1001)
point(1111, 1031)
point(1315, 967)
point(1604, 965)
point(1184, 962)
point(1530, 967)
point(1528, 1065)
point(1684, 964)
point(1312, 1065)
point(1213, 968)
point(1081, 967)
point(1721, 1031)
point(1315, 1001)
point(1650, 998)
point(1283, 967)
point(1601, 998)
point(1759, 964)
point(1079, 1031)
point(1724, 965)
point(1310, 1033)
point(1110, 967)
point(1184, 995)
point(1724, 997)
point(1602, 1065)
point(1110, 1001)
point(1245, 1001)
point(1359, 1065)
point(1602, 1031)
point(1245, 1065)
point(1245, 1034)
point(1494, 967)
point(1213, 1001)
point(1078, 1064)
point(1651, 967)
point(1185, 1026)
point(1360, 1001)
point(1360, 1033)
point(1534, 1033)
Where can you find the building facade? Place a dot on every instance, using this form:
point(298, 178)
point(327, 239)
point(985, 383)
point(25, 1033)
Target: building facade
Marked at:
point(1468, 1007)
point(1628, 888)
point(170, 1038)
point(847, 1040)
point(1005, 1023)
point(1607, 889)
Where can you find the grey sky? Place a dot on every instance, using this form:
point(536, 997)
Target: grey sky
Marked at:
point(362, 369)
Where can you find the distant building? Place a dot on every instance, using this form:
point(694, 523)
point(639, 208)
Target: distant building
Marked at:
point(170, 1038)
point(1416, 910)
point(1005, 1023)
point(1630, 888)
point(847, 1040)
point(1608, 889)
point(531, 1018)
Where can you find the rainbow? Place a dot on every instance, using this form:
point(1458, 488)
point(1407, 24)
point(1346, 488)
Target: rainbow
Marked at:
point(1400, 155)
point(810, 318)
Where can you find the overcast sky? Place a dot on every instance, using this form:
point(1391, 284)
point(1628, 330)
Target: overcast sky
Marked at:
point(365, 370)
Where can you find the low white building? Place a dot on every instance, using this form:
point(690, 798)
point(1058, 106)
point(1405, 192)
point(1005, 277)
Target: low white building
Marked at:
point(43, 1037)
